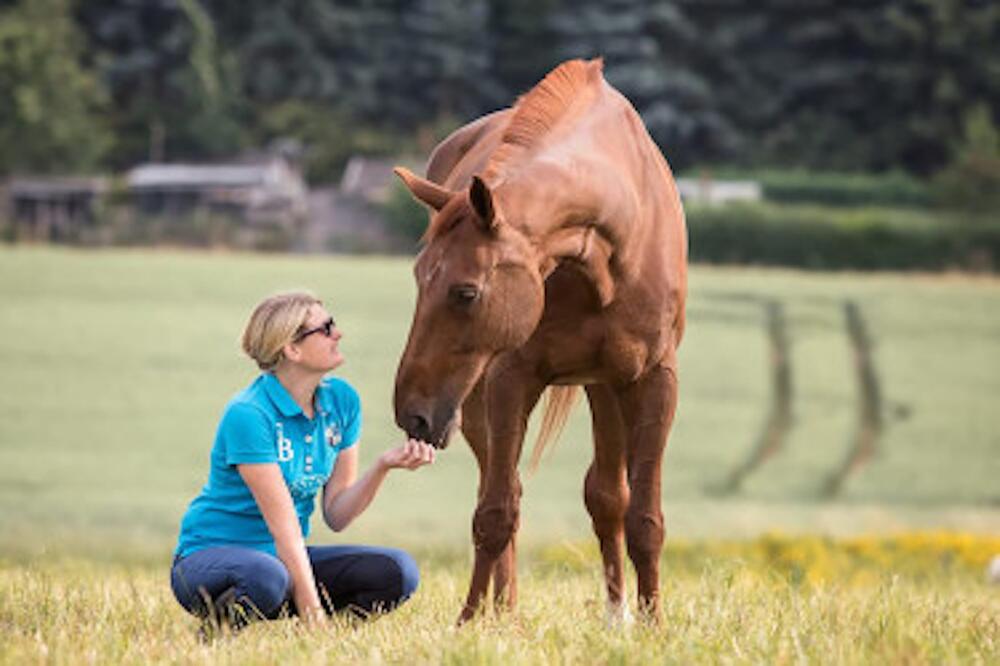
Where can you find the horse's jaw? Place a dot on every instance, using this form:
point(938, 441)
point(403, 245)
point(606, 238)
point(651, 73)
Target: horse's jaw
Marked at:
point(450, 428)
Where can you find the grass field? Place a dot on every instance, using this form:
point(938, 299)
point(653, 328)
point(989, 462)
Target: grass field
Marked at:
point(116, 365)
point(720, 606)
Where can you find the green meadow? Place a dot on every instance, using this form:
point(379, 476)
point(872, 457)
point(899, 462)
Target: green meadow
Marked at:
point(116, 365)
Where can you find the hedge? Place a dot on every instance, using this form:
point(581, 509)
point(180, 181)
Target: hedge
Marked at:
point(891, 189)
point(824, 238)
point(895, 189)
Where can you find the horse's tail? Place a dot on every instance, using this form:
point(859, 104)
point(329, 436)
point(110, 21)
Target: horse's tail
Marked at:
point(559, 401)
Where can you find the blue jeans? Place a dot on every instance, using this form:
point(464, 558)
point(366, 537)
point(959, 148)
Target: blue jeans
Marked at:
point(234, 585)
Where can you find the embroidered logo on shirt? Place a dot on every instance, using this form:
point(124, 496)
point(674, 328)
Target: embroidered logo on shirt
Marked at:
point(332, 435)
point(285, 452)
point(306, 486)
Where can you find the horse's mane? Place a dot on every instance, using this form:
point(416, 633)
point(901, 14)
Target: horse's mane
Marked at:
point(538, 110)
point(534, 114)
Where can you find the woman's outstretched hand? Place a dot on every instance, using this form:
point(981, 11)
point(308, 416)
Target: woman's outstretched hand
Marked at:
point(411, 454)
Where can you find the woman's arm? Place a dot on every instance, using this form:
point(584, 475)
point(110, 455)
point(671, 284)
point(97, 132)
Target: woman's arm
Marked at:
point(269, 490)
point(344, 499)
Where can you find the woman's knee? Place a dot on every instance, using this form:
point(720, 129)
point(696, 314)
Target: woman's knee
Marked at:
point(409, 573)
point(223, 576)
point(364, 578)
point(265, 582)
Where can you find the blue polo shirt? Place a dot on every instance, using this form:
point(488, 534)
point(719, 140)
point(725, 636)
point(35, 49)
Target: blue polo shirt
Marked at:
point(263, 424)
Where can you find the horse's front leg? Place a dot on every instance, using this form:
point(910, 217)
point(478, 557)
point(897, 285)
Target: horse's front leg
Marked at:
point(474, 427)
point(494, 525)
point(511, 392)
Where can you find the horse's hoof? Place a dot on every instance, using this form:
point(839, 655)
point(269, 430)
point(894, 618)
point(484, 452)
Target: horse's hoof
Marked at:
point(466, 615)
point(619, 616)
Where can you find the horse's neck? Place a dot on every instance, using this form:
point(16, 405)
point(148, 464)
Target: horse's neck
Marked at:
point(589, 251)
point(579, 215)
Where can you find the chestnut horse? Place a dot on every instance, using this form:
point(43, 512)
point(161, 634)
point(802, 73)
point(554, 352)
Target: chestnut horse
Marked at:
point(556, 256)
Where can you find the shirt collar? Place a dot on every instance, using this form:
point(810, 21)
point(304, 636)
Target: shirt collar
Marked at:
point(280, 396)
point(324, 399)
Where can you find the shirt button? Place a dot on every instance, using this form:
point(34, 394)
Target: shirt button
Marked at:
point(309, 460)
point(309, 438)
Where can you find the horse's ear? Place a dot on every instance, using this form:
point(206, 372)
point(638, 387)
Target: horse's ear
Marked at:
point(424, 190)
point(482, 202)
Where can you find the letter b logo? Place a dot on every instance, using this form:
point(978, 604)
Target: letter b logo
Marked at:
point(285, 452)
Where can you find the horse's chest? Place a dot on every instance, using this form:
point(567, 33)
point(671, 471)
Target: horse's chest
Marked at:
point(578, 342)
point(625, 356)
point(591, 351)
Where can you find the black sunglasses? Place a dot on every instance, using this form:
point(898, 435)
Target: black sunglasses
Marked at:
point(326, 328)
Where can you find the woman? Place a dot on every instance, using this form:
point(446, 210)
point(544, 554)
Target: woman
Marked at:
point(241, 554)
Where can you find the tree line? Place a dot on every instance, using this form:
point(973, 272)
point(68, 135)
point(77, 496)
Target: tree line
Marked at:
point(822, 84)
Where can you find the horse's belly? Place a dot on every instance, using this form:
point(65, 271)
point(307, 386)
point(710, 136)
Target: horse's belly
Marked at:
point(567, 354)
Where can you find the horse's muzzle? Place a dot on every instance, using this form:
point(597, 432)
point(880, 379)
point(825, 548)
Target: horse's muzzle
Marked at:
point(432, 426)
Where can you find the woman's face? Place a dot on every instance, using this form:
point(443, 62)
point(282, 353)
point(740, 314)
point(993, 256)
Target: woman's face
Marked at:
point(318, 344)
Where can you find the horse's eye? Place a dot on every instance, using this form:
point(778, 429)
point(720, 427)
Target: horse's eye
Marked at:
point(463, 294)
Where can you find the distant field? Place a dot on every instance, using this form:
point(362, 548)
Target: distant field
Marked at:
point(116, 364)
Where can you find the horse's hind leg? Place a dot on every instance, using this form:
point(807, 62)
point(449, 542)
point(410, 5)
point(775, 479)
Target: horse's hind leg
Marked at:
point(505, 576)
point(605, 491)
point(474, 427)
point(648, 410)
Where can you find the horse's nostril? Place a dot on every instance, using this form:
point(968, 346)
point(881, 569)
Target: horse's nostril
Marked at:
point(419, 427)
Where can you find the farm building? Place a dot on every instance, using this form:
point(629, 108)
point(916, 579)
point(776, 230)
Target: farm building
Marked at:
point(52, 208)
point(268, 191)
point(347, 217)
point(708, 190)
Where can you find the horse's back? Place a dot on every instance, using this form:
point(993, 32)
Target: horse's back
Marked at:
point(465, 143)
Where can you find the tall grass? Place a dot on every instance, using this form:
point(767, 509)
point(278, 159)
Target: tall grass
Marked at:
point(116, 364)
point(735, 609)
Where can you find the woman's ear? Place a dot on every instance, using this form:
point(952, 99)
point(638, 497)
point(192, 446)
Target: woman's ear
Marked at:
point(292, 352)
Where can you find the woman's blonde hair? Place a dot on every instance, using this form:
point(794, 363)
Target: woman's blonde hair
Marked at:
point(274, 323)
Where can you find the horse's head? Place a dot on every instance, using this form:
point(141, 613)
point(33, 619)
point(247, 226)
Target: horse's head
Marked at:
point(480, 292)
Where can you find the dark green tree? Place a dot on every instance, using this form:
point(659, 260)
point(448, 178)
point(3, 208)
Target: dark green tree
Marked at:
point(51, 117)
point(972, 181)
point(524, 40)
point(449, 61)
point(173, 94)
point(289, 49)
point(645, 48)
point(365, 75)
point(854, 86)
